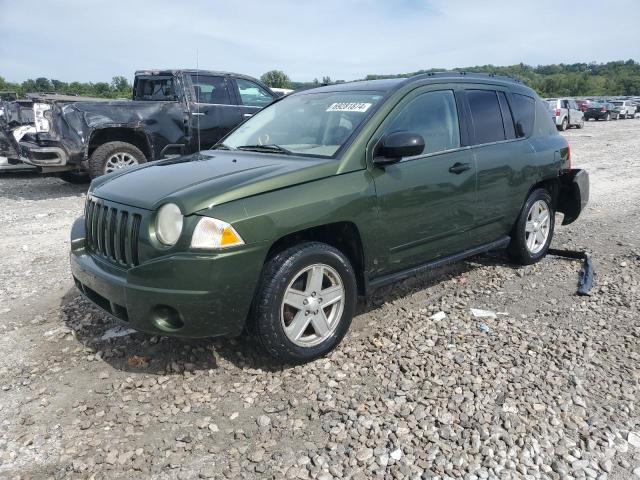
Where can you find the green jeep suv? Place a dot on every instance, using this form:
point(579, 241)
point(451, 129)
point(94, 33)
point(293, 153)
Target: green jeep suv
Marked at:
point(320, 198)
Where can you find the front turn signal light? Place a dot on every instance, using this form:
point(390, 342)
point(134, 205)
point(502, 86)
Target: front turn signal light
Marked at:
point(211, 233)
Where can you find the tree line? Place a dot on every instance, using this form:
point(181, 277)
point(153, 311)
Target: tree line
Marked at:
point(575, 80)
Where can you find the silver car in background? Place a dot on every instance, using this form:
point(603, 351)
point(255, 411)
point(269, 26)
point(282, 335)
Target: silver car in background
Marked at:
point(627, 108)
point(566, 113)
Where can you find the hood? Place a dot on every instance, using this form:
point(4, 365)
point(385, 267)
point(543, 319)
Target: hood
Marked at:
point(208, 178)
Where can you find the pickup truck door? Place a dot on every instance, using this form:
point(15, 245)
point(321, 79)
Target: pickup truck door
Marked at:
point(214, 111)
point(251, 97)
point(426, 202)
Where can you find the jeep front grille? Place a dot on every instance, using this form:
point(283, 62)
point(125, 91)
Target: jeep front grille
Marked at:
point(113, 232)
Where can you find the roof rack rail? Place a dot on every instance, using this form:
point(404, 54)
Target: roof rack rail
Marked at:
point(463, 73)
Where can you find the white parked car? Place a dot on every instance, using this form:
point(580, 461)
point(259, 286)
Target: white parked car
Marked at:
point(566, 113)
point(626, 107)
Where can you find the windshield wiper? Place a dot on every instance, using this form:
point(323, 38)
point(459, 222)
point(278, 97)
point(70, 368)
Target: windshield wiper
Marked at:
point(272, 147)
point(221, 146)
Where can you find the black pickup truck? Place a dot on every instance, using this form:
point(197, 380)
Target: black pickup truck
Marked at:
point(172, 112)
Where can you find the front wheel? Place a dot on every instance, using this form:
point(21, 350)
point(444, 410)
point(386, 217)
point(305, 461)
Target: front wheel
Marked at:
point(533, 231)
point(305, 302)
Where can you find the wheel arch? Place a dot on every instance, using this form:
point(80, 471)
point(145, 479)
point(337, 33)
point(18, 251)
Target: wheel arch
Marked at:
point(343, 235)
point(134, 136)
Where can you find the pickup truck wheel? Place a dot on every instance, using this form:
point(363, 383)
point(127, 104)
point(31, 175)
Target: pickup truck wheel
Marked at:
point(75, 176)
point(533, 231)
point(304, 303)
point(113, 156)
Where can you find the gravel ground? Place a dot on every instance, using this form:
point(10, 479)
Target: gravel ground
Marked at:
point(549, 388)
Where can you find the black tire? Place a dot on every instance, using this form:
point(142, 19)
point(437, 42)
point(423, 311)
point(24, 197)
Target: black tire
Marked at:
point(265, 322)
point(518, 250)
point(564, 125)
point(75, 176)
point(100, 155)
point(581, 124)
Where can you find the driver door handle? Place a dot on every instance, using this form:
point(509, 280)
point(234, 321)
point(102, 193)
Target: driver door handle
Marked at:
point(247, 115)
point(458, 168)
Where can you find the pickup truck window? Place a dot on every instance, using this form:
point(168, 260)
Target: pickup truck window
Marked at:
point(252, 94)
point(156, 89)
point(210, 89)
point(434, 116)
point(487, 119)
point(313, 124)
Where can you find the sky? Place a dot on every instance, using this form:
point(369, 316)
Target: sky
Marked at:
point(94, 40)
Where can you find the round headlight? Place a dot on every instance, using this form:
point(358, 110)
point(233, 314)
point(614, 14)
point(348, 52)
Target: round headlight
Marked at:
point(169, 223)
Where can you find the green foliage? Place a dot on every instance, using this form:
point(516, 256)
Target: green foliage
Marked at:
point(118, 88)
point(577, 79)
point(276, 79)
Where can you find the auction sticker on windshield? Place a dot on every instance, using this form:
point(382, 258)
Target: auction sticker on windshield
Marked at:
point(348, 107)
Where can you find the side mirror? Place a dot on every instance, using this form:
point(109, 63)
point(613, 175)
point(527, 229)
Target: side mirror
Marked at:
point(396, 145)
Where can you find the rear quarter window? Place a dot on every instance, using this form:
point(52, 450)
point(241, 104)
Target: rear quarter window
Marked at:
point(545, 125)
point(523, 108)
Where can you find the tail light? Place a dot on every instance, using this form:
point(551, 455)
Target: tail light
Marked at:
point(557, 112)
point(602, 109)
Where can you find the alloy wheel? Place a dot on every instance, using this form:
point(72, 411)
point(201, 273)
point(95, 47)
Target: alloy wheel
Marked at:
point(312, 305)
point(118, 161)
point(537, 227)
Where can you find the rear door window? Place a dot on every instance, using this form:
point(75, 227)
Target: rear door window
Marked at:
point(155, 89)
point(486, 116)
point(507, 118)
point(210, 89)
point(524, 114)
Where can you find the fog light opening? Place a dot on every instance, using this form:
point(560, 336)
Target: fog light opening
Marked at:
point(167, 318)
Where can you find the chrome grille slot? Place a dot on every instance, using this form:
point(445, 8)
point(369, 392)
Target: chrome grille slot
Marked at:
point(113, 233)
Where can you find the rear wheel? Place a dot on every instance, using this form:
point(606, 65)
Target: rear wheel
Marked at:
point(304, 303)
point(565, 124)
point(114, 156)
point(533, 231)
point(581, 124)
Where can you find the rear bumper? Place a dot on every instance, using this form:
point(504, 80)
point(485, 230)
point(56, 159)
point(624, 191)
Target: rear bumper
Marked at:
point(574, 194)
point(187, 295)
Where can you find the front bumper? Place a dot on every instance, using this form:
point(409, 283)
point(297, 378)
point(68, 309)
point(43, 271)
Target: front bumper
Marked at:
point(188, 295)
point(574, 194)
point(43, 156)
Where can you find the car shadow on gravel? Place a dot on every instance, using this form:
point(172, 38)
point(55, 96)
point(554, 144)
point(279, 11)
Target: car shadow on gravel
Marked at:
point(161, 355)
point(432, 278)
point(139, 352)
point(35, 186)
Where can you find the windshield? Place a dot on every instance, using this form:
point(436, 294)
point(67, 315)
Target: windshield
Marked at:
point(315, 124)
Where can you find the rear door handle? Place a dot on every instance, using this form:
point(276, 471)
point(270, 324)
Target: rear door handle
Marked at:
point(458, 167)
point(247, 115)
